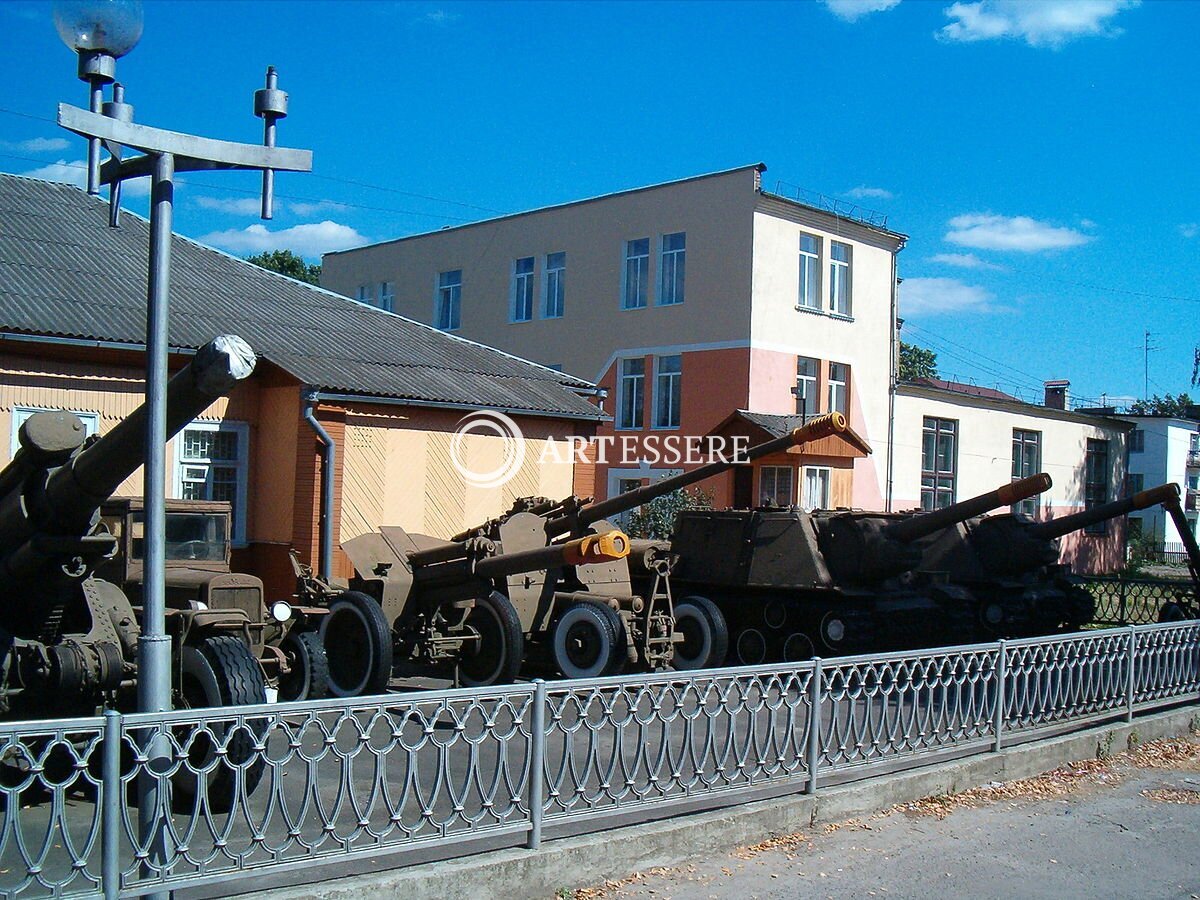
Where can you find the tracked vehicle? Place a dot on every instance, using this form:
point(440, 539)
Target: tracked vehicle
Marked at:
point(792, 584)
point(549, 583)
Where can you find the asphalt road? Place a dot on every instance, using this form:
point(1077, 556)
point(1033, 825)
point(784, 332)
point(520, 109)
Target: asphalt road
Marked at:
point(1127, 832)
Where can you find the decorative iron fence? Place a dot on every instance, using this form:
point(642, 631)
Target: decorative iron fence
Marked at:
point(1136, 601)
point(248, 790)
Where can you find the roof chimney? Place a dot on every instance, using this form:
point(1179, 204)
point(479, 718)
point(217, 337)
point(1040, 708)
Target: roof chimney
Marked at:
point(1057, 394)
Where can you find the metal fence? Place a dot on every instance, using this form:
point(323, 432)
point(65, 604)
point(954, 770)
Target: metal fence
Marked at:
point(248, 790)
point(1135, 601)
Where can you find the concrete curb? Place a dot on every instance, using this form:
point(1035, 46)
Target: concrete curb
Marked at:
point(589, 859)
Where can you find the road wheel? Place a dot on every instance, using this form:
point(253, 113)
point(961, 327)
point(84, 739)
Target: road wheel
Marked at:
point(496, 657)
point(309, 675)
point(585, 643)
point(751, 647)
point(705, 634)
point(358, 644)
point(218, 671)
point(798, 647)
point(1171, 612)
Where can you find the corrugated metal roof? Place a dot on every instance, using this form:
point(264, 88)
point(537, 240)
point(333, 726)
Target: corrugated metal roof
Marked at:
point(65, 273)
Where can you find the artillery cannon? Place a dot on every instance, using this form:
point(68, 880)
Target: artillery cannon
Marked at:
point(1010, 564)
point(68, 637)
point(790, 581)
point(548, 578)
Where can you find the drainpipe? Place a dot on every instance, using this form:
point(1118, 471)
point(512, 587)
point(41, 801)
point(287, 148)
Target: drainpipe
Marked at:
point(893, 363)
point(328, 457)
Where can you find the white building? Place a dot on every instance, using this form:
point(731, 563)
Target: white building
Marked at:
point(1164, 449)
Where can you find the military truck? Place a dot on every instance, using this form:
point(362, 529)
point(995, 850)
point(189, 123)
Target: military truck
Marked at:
point(284, 636)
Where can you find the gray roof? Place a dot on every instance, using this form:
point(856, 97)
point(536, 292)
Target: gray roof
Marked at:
point(65, 273)
point(772, 424)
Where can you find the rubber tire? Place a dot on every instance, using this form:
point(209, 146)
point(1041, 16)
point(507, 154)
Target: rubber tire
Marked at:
point(709, 621)
point(358, 645)
point(498, 623)
point(588, 617)
point(1171, 611)
point(220, 671)
point(309, 678)
point(801, 650)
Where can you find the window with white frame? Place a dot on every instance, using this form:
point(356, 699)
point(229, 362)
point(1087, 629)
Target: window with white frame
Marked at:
point(939, 462)
point(810, 272)
point(839, 278)
point(1026, 462)
point(521, 292)
point(363, 294)
point(211, 462)
point(387, 295)
point(673, 264)
point(631, 394)
point(839, 388)
point(667, 391)
point(447, 313)
point(807, 402)
point(817, 482)
point(776, 486)
point(1193, 481)
point(91, 423)
point(636, 286)
point(1137, 441)
point(554, 299)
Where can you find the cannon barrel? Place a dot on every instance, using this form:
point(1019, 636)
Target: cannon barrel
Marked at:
point(66, 501)
point(591, 548)
point(820, 427)
point(924, 524)
point(1055, 528)
point(1183, 526)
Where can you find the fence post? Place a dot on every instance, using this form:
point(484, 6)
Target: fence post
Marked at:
point(110, 811)
point(1131, 683)
point(537, 758)
point(1001, 671)
point(1122, 601)
point(814, 726)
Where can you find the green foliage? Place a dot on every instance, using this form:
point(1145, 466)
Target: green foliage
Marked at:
point(1141, 550)
point(917, 362)
point(656, 519)
point(1166, 405)
point(285, 262)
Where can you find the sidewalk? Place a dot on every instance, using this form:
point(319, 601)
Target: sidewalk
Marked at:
point(1124, 827)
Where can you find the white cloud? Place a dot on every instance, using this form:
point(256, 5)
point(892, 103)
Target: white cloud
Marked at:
point(440, 18)
point(252, 206)
point(1189, 229)
point(37, 145)
point(853, 10)
point(76, 173)
point(862, 192)
point(308, 208)
point(965, 261)
point(936, 296)
point(1039, 23)
point(310, 240)
point(988, 231)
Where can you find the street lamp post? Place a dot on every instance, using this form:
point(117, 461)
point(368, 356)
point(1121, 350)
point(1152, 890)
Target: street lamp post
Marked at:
point(100, 31)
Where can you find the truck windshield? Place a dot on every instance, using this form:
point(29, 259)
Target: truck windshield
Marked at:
point(189, 536)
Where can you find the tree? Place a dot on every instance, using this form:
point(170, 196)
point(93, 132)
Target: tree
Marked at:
point(1165, 405)
point(917, 362)
point(656, 519)
point(285, 262)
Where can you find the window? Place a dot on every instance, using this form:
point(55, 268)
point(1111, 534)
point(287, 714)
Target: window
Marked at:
point(1135, 483)
point(632, 393)
point(637, 274)
point(775, 486)
point(810, 272)
point(210, 464)
point(1137, 441)
point(667, 391)
point(1193, 482)
point(387, 295)
point(807, 403)
point(521, 292)
point(447, 314)
point(671, 270)
point(91, 424)
point(839, 278)
point(1135, 527)
point(554, 299)
point(839, 388)
point(1095, 480)
point(1026, 461)
point(816, 487)
point(363, 294)
point(939, 462)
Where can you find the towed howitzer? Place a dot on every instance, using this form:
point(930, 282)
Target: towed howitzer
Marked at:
point(69, 638)
point(549, 579)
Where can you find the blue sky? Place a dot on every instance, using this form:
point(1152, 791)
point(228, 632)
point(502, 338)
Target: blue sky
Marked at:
point(1041, 155)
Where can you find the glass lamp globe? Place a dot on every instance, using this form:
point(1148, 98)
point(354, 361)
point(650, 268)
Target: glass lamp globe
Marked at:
point(106, 26)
